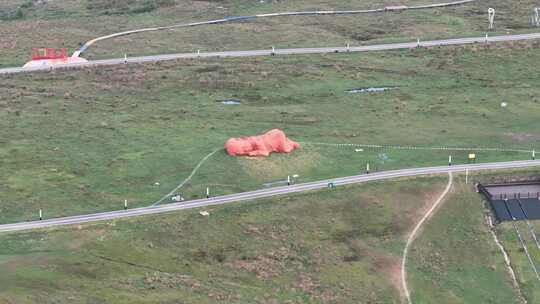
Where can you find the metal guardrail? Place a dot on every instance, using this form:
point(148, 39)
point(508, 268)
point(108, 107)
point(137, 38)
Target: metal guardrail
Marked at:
point(327, 50)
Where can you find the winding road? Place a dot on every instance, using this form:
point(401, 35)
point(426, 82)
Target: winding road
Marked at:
point(270, 52)
point(263, 193)
point(232, 19)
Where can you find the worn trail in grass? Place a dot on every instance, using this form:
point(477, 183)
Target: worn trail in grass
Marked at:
point(337, 246)
point(340, 245)
point(455, 260)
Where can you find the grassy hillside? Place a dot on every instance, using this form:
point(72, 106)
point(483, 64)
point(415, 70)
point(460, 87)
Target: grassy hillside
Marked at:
point(67, 23)
point(332, 246)
point(84, 141)
point(455, 260)
point(74, 142)
point(339, 246)
point(524, 270)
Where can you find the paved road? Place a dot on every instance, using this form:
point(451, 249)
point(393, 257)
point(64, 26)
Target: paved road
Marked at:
point(264, 193)
point(268, 52)
point(399, 8)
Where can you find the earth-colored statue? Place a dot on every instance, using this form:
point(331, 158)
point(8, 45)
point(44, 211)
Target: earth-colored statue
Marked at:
point(262, 145)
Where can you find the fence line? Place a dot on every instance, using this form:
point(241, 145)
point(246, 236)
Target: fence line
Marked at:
point(440, 148)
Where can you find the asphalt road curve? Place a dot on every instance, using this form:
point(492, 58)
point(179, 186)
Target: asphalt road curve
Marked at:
point(399, 8)
point(263, 193)
point(276, 52)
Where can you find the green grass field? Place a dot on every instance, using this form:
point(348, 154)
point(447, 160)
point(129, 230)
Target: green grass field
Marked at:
point(84, 141)
point(75, 142)
point(455, 260)
point(336, 246)
point(312, 242)
point(331, 246)
point(521, 264)
point(68, 23)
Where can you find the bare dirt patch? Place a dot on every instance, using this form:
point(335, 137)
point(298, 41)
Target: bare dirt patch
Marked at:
point(315, 291)
point(274, 167)
point(266, 266)
point(382, 262)
point(523, 137)
point(21, 262)
point(84, 236)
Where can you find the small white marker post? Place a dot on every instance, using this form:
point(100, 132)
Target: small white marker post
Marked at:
point(125, 58)
point(418, 42)
point(40, 215)
point(125, 204)
point(491, 17)
point(367, 168)
point(288, 180)
point(466, 176)
point(207, 192)
point(348, 47)
point(449, 160)
point(486, 41)
point(273, 51)
point(533, 155)
point(198, 53)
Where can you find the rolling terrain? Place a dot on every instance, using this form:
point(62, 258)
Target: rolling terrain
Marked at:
point(75, 142)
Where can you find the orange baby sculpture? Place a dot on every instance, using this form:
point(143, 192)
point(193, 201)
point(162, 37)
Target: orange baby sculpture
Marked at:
point(262, 145)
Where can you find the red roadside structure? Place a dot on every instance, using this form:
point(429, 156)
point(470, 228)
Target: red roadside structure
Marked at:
point(50, 57)
point(49, 53)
